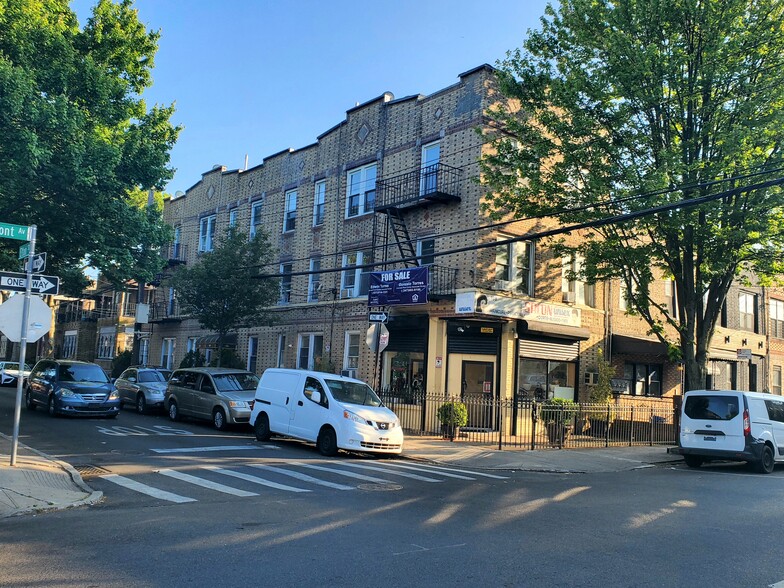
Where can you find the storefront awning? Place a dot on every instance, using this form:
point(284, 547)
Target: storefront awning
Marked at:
point(229, 340)
point(624, 344)
point(552, 330)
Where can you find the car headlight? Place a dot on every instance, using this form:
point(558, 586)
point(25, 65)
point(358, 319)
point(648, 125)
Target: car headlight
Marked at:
point(352, 417)
point(238, 404)
point(114, 395)
point(65, 392)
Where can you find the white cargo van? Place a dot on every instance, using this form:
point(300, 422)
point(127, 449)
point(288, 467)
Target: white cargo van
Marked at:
point(333, 411)
point(732, 425)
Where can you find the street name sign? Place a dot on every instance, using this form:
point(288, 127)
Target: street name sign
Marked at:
point(39, 319)
point(16, 282)
point(18, 232)
point(24, 250)
point(38, 262)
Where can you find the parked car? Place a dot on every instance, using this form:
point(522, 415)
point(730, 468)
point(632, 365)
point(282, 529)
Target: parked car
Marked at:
point(143, 387)
point(222, 395)
point(335, 412)
point(71, 388)
point(9, 373)
point(732, 425)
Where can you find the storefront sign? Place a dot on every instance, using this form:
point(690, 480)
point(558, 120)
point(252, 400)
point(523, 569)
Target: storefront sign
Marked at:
point(473, 301)
point(398, 287)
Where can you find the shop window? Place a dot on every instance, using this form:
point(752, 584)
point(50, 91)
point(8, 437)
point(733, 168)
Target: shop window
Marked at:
point(540, 379)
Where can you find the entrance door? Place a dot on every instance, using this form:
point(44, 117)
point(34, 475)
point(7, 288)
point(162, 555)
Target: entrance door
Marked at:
point(477, 393)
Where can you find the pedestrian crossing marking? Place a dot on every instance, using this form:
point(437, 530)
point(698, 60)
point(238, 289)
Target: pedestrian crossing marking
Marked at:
point(385, 471)
point(255, 479)
point(145, 489)
point(420, 469)
point(206, 483)
point(428, 467)
point(301, 476)
point(341, 473)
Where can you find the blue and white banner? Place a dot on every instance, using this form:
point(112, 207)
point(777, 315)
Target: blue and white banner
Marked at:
point(398, 287)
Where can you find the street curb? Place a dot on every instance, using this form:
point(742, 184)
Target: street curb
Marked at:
point(76, 478)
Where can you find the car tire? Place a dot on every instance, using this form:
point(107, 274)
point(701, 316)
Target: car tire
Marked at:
point(29, 404)
point(693, 461)
point(767, 461)
point(141, 404)
point(327, 442)
point(219, 419)
point(51, 408)
point(112, 416)
point(174, 411)
point(262, 428)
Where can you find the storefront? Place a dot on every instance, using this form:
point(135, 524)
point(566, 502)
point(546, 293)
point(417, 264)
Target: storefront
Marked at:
point(403, 360)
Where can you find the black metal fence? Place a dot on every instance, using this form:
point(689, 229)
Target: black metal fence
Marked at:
point(530, 424)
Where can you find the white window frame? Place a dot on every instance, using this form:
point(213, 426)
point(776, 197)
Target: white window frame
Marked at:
point(207, 233)
point(311, 347)
point(191, 344)
point(70, 342)
point(775, 380)
point(428, 176)
point(319, 202)
point(290, 212)
point(351, 351)
point(253, 353)
point(107, 340)
point(777, 318)
point(426, 258)
point(285, 283)
point(355, 282)
point(516, 279)
point(281, 351)
point(314, 280)
point(361, 188)
point(168, 345)
point(144, 350)
point(747, 306)
point(255, 217)
point(671, 298)
point(176, 242)
point(584, 294)
point(622, 302)
point(233, 217)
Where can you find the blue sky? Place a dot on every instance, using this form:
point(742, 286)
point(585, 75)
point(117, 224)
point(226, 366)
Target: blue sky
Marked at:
point(258, 76)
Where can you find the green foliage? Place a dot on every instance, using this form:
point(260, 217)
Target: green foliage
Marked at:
point(121, 362)
point(453, 414)
point(223, 289)
point(77, 141)
point(611, 100)
point(602, 391)
point(558, 410)
point(324, 364)
point(192, 359)
point(228, 359)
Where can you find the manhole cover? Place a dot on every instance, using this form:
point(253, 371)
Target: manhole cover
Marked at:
point(380, 487)
point(89, 471)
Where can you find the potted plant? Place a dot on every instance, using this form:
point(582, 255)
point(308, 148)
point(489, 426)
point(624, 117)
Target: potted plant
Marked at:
point(558, 414)
point(453, 415)
point(601, 415)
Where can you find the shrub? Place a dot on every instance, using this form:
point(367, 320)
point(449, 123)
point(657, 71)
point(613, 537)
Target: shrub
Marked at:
point(121, 362)
point(558, 409)
point(192, 359)
point(453, 413)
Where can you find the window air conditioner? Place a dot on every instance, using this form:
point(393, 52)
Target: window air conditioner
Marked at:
point(349, 373)
point(347, 293)
point(568, 297)
point(591, 378)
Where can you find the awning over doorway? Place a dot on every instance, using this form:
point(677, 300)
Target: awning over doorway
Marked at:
point(627, 345)
point(229, 340)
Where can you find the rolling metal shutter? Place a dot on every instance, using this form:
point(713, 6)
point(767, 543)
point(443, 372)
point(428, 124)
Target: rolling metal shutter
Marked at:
point(556, 349)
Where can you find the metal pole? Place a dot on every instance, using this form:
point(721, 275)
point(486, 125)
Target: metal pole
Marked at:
point(23, 345)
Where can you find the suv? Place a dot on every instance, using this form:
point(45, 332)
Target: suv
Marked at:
point(71, 387)
point(143, 387)
point(222, 395)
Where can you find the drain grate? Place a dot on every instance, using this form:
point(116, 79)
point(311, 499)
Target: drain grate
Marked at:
point(90, 471)
point(380, 487)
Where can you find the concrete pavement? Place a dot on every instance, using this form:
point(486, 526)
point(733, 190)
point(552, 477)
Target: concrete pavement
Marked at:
point(40, 483)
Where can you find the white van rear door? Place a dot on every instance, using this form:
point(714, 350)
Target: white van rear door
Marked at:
point(276, 394)
point(713, 421)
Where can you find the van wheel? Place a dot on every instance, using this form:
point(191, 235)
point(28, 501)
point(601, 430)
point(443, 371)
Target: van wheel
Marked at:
point(327, 442)
point(219, 419)
point(693, 461)
point(174, 412)
point(767, 461)
point(29, 404)
point(262, 428)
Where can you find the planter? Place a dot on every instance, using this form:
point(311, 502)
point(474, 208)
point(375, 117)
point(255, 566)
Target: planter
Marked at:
point(558, 434)
point(450, 432)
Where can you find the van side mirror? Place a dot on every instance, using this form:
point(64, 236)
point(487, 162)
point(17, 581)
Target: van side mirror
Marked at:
point(315, 396)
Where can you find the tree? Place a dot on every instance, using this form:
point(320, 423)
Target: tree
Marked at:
point(617, 106)
point(78, 144)
point(223, 290)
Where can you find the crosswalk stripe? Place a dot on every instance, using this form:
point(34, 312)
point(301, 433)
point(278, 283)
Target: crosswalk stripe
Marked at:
point(255, 479)
point(145, 489)
point(419, 469)
point(385, 471)
point(213, 448)
point(425, 467)
point(341, 473)
point(205, 483)
point(301, 476)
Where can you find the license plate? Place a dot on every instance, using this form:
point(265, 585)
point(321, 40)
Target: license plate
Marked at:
point(709, 438)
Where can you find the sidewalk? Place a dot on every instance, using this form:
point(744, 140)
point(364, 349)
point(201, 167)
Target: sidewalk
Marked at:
point(39, 482)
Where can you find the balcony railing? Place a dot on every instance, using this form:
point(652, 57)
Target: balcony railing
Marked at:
point(442, 281)
point(434, 183)
point(175, 253)
point(166, 311)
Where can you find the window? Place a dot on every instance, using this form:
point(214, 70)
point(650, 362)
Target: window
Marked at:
point(431, 156)
point(176, 243)
point(171, 302)
point(319, 198)
point(309, 350)
point(351, 355)
point(167, 353)
point(313, 385)
point(777, 318)
point(314, 280)
point(355, 281)
point(540, 379)
point(191, 345)
point(361, 191)
point(69, 345)
point(623, 300)
point(144, 351)
point(513, 266)
point(106, 341)
point(255, 218)
point(425, 250)
point(643, 379)
point(207, 233)
point(281, 350)
point(290, 215)
point(671, 298)
point(775, 384)
point(576, 290)
point(253, 353)
point(233, 217)
point(747, 308)
point(285, 283)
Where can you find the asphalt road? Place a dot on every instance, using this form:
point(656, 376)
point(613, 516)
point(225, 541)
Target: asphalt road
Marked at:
point(306, 525)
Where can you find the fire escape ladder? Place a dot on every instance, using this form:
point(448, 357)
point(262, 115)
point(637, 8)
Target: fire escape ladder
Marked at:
point(402, 238)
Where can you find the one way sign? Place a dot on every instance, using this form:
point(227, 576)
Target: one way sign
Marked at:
point(38, 261)
point(18, 283)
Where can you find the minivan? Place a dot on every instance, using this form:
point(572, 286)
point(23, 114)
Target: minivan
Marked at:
point(71, 388)
point(335, 412)
point(732, 425)
point(222, 395)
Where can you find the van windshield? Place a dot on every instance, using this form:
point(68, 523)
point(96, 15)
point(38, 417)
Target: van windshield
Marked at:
point(712, 407)
point(82, 373)
point(353, 393)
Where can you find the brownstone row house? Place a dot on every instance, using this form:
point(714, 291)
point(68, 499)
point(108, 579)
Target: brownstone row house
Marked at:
point(394, 186)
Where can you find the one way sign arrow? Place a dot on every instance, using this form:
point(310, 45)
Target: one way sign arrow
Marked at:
point(38, 261)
